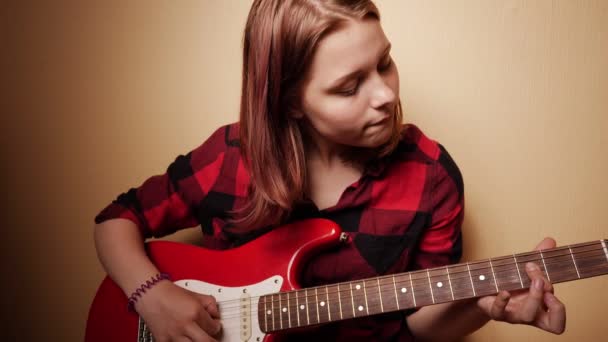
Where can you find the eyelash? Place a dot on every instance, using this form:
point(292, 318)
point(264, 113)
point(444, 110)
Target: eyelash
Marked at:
point(353, 91)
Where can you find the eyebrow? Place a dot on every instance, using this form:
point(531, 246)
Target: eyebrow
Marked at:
point(354, 74)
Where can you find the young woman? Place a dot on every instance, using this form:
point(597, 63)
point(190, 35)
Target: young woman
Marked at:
point(319, 135)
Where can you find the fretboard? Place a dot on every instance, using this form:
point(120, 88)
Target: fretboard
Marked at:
point(329, 303)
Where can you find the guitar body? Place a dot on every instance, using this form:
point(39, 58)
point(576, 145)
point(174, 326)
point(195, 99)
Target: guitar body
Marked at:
point(235, 277)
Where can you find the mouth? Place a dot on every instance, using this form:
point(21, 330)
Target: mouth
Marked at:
point(380, 122)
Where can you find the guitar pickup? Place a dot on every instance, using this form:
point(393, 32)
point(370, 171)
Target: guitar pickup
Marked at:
point(245, 318)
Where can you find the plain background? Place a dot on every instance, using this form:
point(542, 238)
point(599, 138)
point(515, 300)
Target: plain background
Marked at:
point(99, 95)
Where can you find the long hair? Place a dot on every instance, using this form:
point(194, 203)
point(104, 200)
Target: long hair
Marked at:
point(280, 39)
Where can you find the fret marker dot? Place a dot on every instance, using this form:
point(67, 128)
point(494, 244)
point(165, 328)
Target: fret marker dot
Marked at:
point(322, 303)
point(302, 307)
point(284, 309)
point(439, 284)
point(360, 308)
point(358, 287)
point(482, 277)
point(403, 289)
point(269, 312)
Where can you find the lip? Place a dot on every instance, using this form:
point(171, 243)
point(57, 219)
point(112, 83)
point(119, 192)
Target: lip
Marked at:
point(380, 122)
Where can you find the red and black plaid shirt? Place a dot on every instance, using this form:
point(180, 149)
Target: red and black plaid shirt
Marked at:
point(405, 215)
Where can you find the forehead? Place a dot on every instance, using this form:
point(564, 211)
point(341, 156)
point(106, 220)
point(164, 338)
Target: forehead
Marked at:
point(355, 45)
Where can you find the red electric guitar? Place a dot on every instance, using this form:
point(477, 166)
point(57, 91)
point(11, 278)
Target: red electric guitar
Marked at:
point(256, 284)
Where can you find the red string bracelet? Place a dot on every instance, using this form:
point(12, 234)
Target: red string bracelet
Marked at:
point(142, 289)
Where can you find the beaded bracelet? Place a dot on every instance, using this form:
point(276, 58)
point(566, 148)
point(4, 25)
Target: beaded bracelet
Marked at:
point(142, 289)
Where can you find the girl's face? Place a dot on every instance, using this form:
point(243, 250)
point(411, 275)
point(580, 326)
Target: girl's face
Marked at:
point(351, 93)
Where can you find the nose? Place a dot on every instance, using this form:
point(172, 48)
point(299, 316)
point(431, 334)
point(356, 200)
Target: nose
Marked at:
point(382, 92)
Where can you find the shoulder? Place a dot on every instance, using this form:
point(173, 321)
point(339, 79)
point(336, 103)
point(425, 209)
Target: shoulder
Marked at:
point(416, 144)
point(223, 141)
point(417, 147)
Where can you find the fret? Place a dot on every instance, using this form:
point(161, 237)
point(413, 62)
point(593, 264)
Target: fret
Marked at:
point(322, 305)
point(447, 270)
point(521, 282)
point(373, 296)
point(359, 298)
point(523, 259)
point(494, 275)
point(292, 309)
point(306, 303)
point(506, 274)
point(388, 291)
point(276, 311)
point(590, 259)
point(352, 299)
point(312, 306)
point(560, 265)
point(460, 281)
point(266, 313)
point(605, 248)
point(333, 302)
point(471, 277)
point(303, 306)
point(483, 281)
point(430, 285)
point(340, 302)
point(346, 301)
point(365, 296)
point(574, 262)
point(327, 299)
point(421, 289)
point(404, 291)
point(380, 295)
point(412, 287)
point(439, 282)
point(545, 266)
point(297, 307)
point(317, 304)
point(396, 296)
point(284, 317)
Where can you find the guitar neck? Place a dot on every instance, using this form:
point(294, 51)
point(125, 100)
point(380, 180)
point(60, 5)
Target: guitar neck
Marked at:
point(408, 290)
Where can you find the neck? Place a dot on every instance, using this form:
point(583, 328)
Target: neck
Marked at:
point(389, 293)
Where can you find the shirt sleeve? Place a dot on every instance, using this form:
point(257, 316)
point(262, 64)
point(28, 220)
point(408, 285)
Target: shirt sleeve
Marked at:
point(441, 242)
point(164, 203)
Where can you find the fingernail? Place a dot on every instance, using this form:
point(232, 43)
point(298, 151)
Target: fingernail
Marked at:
point(538, 284)
point(531, 266)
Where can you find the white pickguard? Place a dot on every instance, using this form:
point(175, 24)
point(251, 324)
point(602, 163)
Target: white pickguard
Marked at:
point(229, 298)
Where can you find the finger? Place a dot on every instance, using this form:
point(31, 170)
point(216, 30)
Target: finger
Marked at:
point(556, 314)
point(182, 339)
point(210, 304)
point(211, 326)
point(533, 301)
point(546, 243)
point(497, 312)
point(533, 271)
point(196, 334)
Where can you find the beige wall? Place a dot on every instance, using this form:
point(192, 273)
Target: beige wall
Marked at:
point(98, 95)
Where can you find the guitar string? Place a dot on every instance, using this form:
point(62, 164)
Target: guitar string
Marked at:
point(425, 279)
point(226, 304)
point(465, 272)
point(421, 295)
point(229, 320)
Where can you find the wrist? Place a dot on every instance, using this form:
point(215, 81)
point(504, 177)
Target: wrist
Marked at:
point(144, 288)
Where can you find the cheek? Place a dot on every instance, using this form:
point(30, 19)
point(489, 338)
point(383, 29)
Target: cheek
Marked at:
point(349, 113)
point(393, 82)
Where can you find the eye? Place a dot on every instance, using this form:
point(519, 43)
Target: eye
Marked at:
point(350, 92)
point(386, 64)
